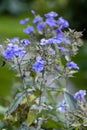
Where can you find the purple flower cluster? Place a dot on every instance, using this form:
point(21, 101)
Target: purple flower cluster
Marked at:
point(49, 21)
point(47, 53)
point(58, 39)
point(52, 30)
point(38, 66)
point(80, 95)
point(13, 50)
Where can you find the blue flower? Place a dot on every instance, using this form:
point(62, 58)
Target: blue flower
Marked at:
point(19, 51)
point(51, 14)
point(62, 107)
point(52, 51)
point(38, 66)
point(25, 41)
point(57, 67)
point(72, 65)
point(54, 40)
point(58, 30)
point(14, 40)
point(13, 50)
point(43, 41)
point(33, 12)
point(80, 95)
point(37, 19)
point(64, 23)
point(51, 41)
point(40, 26)
point(39, 59)
point(51, 22)
point(8, 54)
point(24, 21)
point(61, 48)
point(28, 30)
point(58, 39)
point(61, 38)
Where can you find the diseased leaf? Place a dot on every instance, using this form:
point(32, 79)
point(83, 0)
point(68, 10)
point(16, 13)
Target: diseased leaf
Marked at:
point(29, 98)
point(18, 98)
point(31, 117)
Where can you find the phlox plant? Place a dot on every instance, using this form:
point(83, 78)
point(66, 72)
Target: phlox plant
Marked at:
point(41, 62)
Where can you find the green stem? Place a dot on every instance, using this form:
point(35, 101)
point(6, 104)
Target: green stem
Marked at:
point(41, 86)
point(23, 80)
point(59, 57)
point(20, 72)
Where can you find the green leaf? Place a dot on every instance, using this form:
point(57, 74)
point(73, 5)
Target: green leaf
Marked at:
point(37, 92)
point(18, 98)
point(33, 73)
point(50, 97)
point(31, 117)
point(70, 100)
point(52, 124)
point(77, 128)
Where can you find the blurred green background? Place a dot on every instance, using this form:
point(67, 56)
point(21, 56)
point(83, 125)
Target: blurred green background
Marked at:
point(12, 11)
